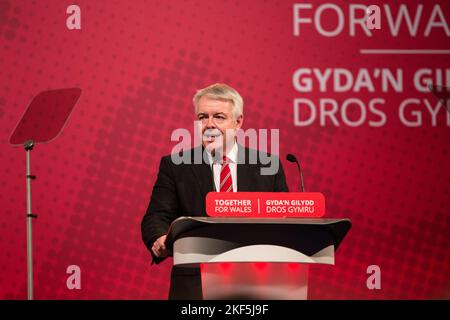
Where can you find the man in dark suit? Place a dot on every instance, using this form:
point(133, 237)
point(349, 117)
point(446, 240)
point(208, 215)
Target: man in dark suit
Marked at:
point(224, 166)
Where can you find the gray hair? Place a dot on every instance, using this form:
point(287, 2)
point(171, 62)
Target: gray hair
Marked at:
point(220, 91)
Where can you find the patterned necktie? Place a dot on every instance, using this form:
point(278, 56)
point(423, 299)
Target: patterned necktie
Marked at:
point(226, 182)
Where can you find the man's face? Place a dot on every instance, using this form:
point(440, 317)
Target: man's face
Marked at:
point(219, 126)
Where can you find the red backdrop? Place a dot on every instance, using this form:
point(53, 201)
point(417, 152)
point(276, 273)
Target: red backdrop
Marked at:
point(139, 63)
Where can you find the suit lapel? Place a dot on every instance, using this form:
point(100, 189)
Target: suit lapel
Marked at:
point(244, 170)
point(203, 175)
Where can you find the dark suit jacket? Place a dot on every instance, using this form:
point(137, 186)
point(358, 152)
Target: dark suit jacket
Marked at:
point(180, 190)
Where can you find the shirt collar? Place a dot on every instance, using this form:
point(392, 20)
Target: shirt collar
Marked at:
point(232, 155)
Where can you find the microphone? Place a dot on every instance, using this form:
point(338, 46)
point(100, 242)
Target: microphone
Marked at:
point(292, 158)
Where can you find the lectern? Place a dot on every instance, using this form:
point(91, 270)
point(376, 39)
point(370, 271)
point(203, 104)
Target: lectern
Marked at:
point(255, 258)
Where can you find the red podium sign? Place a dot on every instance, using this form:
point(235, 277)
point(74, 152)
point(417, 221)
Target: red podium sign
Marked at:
point(265, 204)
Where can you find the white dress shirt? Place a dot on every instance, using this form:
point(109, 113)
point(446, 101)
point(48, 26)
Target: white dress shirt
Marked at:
point(217, 167)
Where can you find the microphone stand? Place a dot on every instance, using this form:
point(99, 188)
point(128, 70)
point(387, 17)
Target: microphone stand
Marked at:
point(292, 158)
point(301, 176)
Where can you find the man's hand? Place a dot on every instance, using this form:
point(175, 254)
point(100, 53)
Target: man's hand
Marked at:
point(159, 247)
